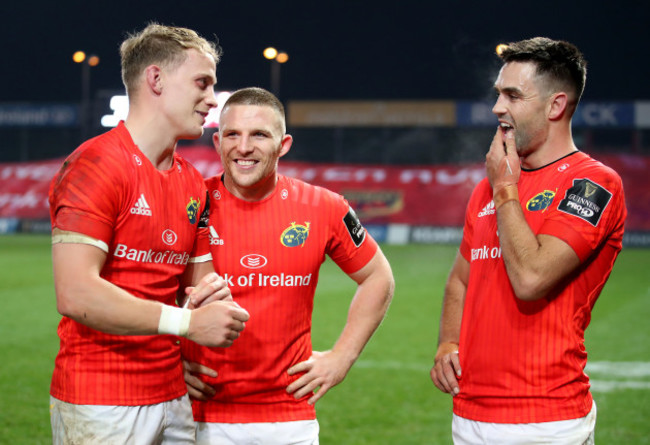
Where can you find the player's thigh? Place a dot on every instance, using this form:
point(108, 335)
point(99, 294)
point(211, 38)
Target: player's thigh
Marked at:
point(301, 432)
point(564, 432)
point(167, 422)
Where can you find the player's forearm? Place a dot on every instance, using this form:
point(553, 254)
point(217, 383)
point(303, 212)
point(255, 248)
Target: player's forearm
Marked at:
point(451, 314)
point(522, 253)
point(367, 310)
point(450, 319)
point(83, 295)
point(100, 305)
point(191, 277)
point(453, 302)
point(194, 272)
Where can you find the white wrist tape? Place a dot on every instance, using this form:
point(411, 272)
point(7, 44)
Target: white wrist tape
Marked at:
point(174, 321)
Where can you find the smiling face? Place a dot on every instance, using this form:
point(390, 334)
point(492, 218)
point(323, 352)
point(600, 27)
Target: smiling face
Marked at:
point(187, 93)
point(250, 141)
point(521, 106)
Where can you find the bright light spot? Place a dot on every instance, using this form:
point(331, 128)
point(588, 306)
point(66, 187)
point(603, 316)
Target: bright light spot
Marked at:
point(120, 107)
point(222, 97)
point(282, 57)
point(79, 56)
point(212, 120)
point(501, 48)
point(270, 53)
point(109, 120)
point(93, 61)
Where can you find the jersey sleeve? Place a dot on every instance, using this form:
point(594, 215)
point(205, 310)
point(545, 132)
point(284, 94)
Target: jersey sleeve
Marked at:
point(351, 246)
point(201, 251)
point(85, 195)
point(590, 209)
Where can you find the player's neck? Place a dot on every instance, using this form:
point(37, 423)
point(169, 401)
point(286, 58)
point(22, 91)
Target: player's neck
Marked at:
point(157, 146)
point(254, 193)
point(557, 146)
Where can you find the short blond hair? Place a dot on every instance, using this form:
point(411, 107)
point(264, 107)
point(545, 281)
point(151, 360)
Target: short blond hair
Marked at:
point(163, 45)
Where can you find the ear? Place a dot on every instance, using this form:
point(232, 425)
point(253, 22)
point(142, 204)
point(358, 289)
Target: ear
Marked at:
point(216, 141)
point(153, 78)
point(285, 146)
point(557, 106)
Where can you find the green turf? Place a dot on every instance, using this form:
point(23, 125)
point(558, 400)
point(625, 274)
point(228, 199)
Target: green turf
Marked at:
point(29, 340)
point(387, 398)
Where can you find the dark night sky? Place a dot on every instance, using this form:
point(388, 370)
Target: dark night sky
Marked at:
point(351, 49)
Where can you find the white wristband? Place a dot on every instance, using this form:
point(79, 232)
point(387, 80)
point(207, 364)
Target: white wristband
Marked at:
point(174, 320)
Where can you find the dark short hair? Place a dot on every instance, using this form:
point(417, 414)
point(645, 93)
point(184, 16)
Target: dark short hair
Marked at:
point(561, 63)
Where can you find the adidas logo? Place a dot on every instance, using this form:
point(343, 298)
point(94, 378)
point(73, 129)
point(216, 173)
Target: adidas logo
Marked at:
point(214, 238)
point(487, 210)
point(141, 207)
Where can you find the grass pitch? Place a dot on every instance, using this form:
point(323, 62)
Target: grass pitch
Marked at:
point(387, 398)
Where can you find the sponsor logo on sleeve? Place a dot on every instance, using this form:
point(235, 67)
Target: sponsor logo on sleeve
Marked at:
point(586, 200)
point(540, 201)
point(355, 229)
point(295, 235)
point(204, 220)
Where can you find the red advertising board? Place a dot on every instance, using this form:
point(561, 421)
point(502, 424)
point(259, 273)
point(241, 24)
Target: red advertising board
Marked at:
point(414, 195)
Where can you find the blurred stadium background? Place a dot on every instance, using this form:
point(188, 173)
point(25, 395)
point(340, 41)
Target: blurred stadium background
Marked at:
point(407, 167)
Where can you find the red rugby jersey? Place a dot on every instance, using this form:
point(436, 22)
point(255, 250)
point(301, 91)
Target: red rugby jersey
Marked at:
point(148, 220)
point(270, 253)
point(524, 361)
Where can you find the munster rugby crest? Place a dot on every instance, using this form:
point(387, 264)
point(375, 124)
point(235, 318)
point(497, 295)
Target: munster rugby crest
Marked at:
point(295, 235)
point(192, 209)
point(540, 201)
